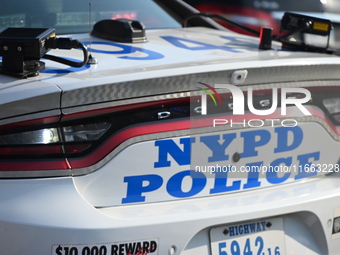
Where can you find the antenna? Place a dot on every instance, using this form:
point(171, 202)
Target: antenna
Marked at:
point(92, 60)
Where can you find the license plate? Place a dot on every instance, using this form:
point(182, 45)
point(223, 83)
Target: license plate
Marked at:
point(263, 237)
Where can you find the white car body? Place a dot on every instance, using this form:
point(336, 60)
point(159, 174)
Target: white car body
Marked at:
point(139, 199)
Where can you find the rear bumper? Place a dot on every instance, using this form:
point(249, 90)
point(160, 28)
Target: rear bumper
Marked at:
point(38, 216)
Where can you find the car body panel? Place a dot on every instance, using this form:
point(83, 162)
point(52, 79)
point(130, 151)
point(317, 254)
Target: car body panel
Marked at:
point(84, 224)
point(167, 180)
point(192, 55)
point(133, 194)
point(175, 53)
point(19, 97)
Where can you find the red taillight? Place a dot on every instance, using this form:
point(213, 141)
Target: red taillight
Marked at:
point(76, 148)
point(81, 140)
point(31, 150)
point(45, 147)
point(78, 140)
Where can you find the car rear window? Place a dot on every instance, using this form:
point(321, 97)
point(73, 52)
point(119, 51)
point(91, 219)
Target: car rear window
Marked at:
point(76, 16)
point(269, 5)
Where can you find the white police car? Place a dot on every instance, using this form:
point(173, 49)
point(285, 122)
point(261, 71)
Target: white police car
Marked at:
point(168, 140)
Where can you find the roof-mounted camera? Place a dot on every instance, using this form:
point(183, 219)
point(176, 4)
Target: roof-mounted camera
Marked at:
point(22, 48)
point(301, 32)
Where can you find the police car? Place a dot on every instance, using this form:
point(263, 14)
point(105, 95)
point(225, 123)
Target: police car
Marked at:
point(124, 130)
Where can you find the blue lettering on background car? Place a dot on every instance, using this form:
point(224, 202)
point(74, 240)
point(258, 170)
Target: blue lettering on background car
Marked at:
point(66, 70)
point(139, 186)
point(147, 54)
point(241, 39)
point(127, 49)
point(178, 42)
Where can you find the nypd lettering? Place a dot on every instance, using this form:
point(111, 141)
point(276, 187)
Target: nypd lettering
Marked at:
point(280, 144)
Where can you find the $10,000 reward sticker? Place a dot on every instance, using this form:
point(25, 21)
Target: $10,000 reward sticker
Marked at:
point(138, 247)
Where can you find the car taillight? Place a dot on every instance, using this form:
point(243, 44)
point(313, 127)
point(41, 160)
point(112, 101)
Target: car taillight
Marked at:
point(46, 148)
point(42, 141)
point(29, 143)
point(78, 140)
point(41, 136)
point(81, 140)
point(85, 132)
